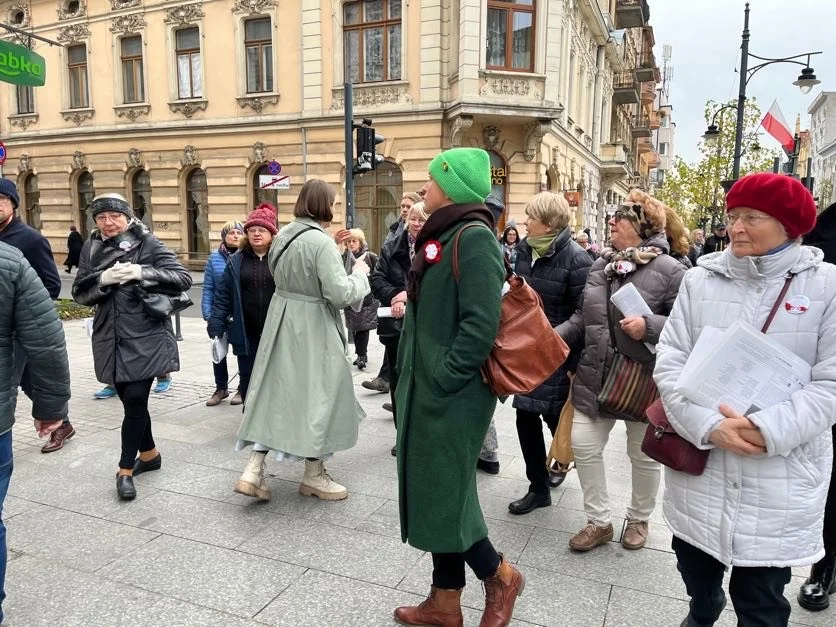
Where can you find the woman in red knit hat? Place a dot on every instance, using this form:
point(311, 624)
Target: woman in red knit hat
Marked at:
point(757, 508)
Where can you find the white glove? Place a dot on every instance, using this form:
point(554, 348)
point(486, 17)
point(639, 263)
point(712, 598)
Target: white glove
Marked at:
point(109, 277)
point(129, 272)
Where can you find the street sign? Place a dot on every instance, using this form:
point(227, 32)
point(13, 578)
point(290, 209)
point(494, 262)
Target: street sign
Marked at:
point(265, 181)
point(21, 66)
point(2, 153)
point(274, 168)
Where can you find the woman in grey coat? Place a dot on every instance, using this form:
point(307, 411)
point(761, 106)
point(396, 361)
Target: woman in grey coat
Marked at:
point(639, 255)
point(120, 262)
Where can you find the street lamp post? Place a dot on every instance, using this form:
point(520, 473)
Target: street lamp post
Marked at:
point(806, 81)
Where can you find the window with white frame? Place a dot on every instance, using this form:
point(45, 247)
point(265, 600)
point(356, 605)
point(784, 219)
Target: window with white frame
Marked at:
point(510, 35)
point(25, 99)
point(187, 50)
point(77, 75)
point(372, 40)
point(258, 45)
point(133, 89)
point(663, 148)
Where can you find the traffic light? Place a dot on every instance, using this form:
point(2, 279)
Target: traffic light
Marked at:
point(367, 139)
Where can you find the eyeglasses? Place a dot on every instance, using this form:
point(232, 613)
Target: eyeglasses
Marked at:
point(256, 230)
point(627, 212)
point(108, 217)
point(748, 219)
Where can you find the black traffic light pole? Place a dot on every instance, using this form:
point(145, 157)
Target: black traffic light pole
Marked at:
point(349, 157)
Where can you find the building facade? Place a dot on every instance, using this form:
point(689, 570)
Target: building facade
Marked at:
point(823, 146)
point(181, 105)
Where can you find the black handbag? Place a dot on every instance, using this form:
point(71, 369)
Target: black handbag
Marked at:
point(161, 306)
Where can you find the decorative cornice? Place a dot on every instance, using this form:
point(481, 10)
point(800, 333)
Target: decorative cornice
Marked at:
point(509, 86)
point(19, 7)
point(188, 107)
point(132, 111)
point(252, 6)
point(127, 24)
point(458, 126)
point(365, 96)
point(77, 116)
point(134, 158)
point(184, 14)
point(490, 136)
point(63, 11)
point(190, 156)
point(23, 120)
point(73, 34)
point(259, 153)
point(257, 103)
point(123, 4)
point(79, 160)
point(25, 164)
point(534, 133)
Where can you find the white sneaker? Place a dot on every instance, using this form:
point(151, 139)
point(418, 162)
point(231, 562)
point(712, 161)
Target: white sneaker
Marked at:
point(317, 482)
point(252, 481)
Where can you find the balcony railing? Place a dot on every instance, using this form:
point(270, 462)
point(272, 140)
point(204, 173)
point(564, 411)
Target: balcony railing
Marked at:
point(631, 13)
point(646, 68)
point(653, 159)
point(641, 126)
point(655, 121)
point(625, 88)
point(648, 93)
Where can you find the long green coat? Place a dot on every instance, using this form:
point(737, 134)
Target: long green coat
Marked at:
point(444, 408)
point(301, 395)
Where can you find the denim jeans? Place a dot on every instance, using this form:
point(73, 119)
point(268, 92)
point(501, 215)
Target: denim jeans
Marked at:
point(6, 465)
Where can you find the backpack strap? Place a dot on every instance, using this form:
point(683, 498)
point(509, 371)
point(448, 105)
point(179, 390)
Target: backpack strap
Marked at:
point(456, 273)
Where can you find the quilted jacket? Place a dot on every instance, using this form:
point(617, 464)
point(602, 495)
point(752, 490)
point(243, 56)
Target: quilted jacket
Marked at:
point(765, 510)
point(212, 277)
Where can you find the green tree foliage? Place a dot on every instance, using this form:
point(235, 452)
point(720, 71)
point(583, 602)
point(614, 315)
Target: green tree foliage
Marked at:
point(694, 189)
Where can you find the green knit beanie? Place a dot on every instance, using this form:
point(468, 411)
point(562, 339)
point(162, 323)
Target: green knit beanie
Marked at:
point(463, 174)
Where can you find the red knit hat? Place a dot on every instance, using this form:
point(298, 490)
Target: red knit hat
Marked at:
point(781, 196)
point(264, 215)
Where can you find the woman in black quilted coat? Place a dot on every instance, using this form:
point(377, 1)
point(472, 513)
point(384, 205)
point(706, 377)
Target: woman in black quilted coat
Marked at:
point(359, 323)
point(556, 267)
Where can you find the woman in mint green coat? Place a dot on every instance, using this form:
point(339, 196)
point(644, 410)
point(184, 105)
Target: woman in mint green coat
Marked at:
point(443, 406)
point(300, 403)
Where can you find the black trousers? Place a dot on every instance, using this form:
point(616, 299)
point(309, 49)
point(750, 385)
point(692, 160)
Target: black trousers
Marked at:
point(361, 343)
point(530, 433)
point(830, 510)
point(384, 367)
point(757, 593)
point(136, 425)
point(448, 568)
point(245, 366)
point(391, 355)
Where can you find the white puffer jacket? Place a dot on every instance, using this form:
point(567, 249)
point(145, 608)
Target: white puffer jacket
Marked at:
point(765, 510)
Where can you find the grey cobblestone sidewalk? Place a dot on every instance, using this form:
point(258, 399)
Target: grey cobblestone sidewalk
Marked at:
point(188, 551)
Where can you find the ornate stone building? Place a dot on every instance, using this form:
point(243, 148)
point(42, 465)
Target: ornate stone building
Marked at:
point(180, 105)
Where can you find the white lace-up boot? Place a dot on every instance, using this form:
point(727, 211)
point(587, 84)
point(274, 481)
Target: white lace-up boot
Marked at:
point(317, 482)
point(252, 481)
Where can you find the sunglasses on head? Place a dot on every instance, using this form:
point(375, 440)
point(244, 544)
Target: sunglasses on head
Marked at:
point(629, 212)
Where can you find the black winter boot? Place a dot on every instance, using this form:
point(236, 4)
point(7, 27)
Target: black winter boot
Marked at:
point(815, 592)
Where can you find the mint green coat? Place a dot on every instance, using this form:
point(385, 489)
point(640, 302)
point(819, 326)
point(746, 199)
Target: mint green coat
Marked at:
point(301, 395)
point(443, 407)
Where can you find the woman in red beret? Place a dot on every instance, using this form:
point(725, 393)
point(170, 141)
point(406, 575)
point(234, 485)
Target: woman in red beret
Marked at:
point(757, 508)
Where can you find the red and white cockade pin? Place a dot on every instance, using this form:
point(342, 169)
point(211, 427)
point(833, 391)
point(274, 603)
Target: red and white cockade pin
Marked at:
point(432, 251)
point(797, 304)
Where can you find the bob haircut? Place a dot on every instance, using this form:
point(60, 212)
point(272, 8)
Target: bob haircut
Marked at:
point(413, 196)
point(359, 235)
point(551, 209)
point(316, 201)
point(418, 208)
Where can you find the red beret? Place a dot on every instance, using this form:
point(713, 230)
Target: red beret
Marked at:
point(781, 196)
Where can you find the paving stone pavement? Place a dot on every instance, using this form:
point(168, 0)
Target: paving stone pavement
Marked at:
point(188, 551)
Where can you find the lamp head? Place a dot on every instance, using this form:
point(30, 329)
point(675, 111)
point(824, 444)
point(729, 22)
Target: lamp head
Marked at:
point(712, 134)
point(806, 80)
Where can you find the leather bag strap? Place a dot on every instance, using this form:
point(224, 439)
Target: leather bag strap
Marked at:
point(290, 241)
point(456, 274)
point(777, 303)
point(609, 318)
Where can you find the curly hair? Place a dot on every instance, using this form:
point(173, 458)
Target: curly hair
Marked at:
point(654, 210)
point(676, 232)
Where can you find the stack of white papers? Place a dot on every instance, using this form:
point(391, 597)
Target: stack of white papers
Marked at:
point(742, 368)
point(630, 303)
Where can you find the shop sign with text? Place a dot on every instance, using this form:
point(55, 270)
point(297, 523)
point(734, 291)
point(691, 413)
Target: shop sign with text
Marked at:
point(21, 66)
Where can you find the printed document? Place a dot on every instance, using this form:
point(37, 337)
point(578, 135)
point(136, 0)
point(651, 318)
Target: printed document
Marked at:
point(743, 368)
point(630, 303)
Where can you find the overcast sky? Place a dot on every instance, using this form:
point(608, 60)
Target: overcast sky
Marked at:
point(705, 36)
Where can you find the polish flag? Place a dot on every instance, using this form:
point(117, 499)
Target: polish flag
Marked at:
point(777, 126)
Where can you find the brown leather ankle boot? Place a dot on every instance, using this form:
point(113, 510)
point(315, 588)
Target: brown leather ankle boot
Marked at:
point(501, 592)
point(442, 608)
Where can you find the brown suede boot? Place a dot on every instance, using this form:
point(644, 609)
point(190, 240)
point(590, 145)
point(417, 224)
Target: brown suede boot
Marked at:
point(442, 608)
point(501, 592)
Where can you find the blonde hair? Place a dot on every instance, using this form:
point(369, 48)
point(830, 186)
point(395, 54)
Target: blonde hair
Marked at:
point(419, 208)
point(693, 235)
point(551, 209)
point(676, 232)
point(413, 196)
point(358, 235)
point(654, 210)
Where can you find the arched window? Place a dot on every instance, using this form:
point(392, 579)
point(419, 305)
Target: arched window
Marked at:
point(141, 197)
point(197, 214)
point(86, 192)
point(499, 181)
point(377, 202)
point(263, 195)
point(31, 201)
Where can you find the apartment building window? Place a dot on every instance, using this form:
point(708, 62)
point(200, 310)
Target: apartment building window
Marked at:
point(372, 40)
point(187, 42)
point(197, 214)
point(133, 89)
point(86, 192)
point(258, 42)
point(666, 121)
point(510, 36)
point(77, 70)
point(663, 148)
point(25, 99)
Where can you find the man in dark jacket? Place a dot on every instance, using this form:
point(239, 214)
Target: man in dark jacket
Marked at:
point(28, 321)
point(74, 245)
point(717, 242)
point(38, 253)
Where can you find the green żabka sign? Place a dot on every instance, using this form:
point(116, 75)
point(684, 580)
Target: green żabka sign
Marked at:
point(21, 66)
